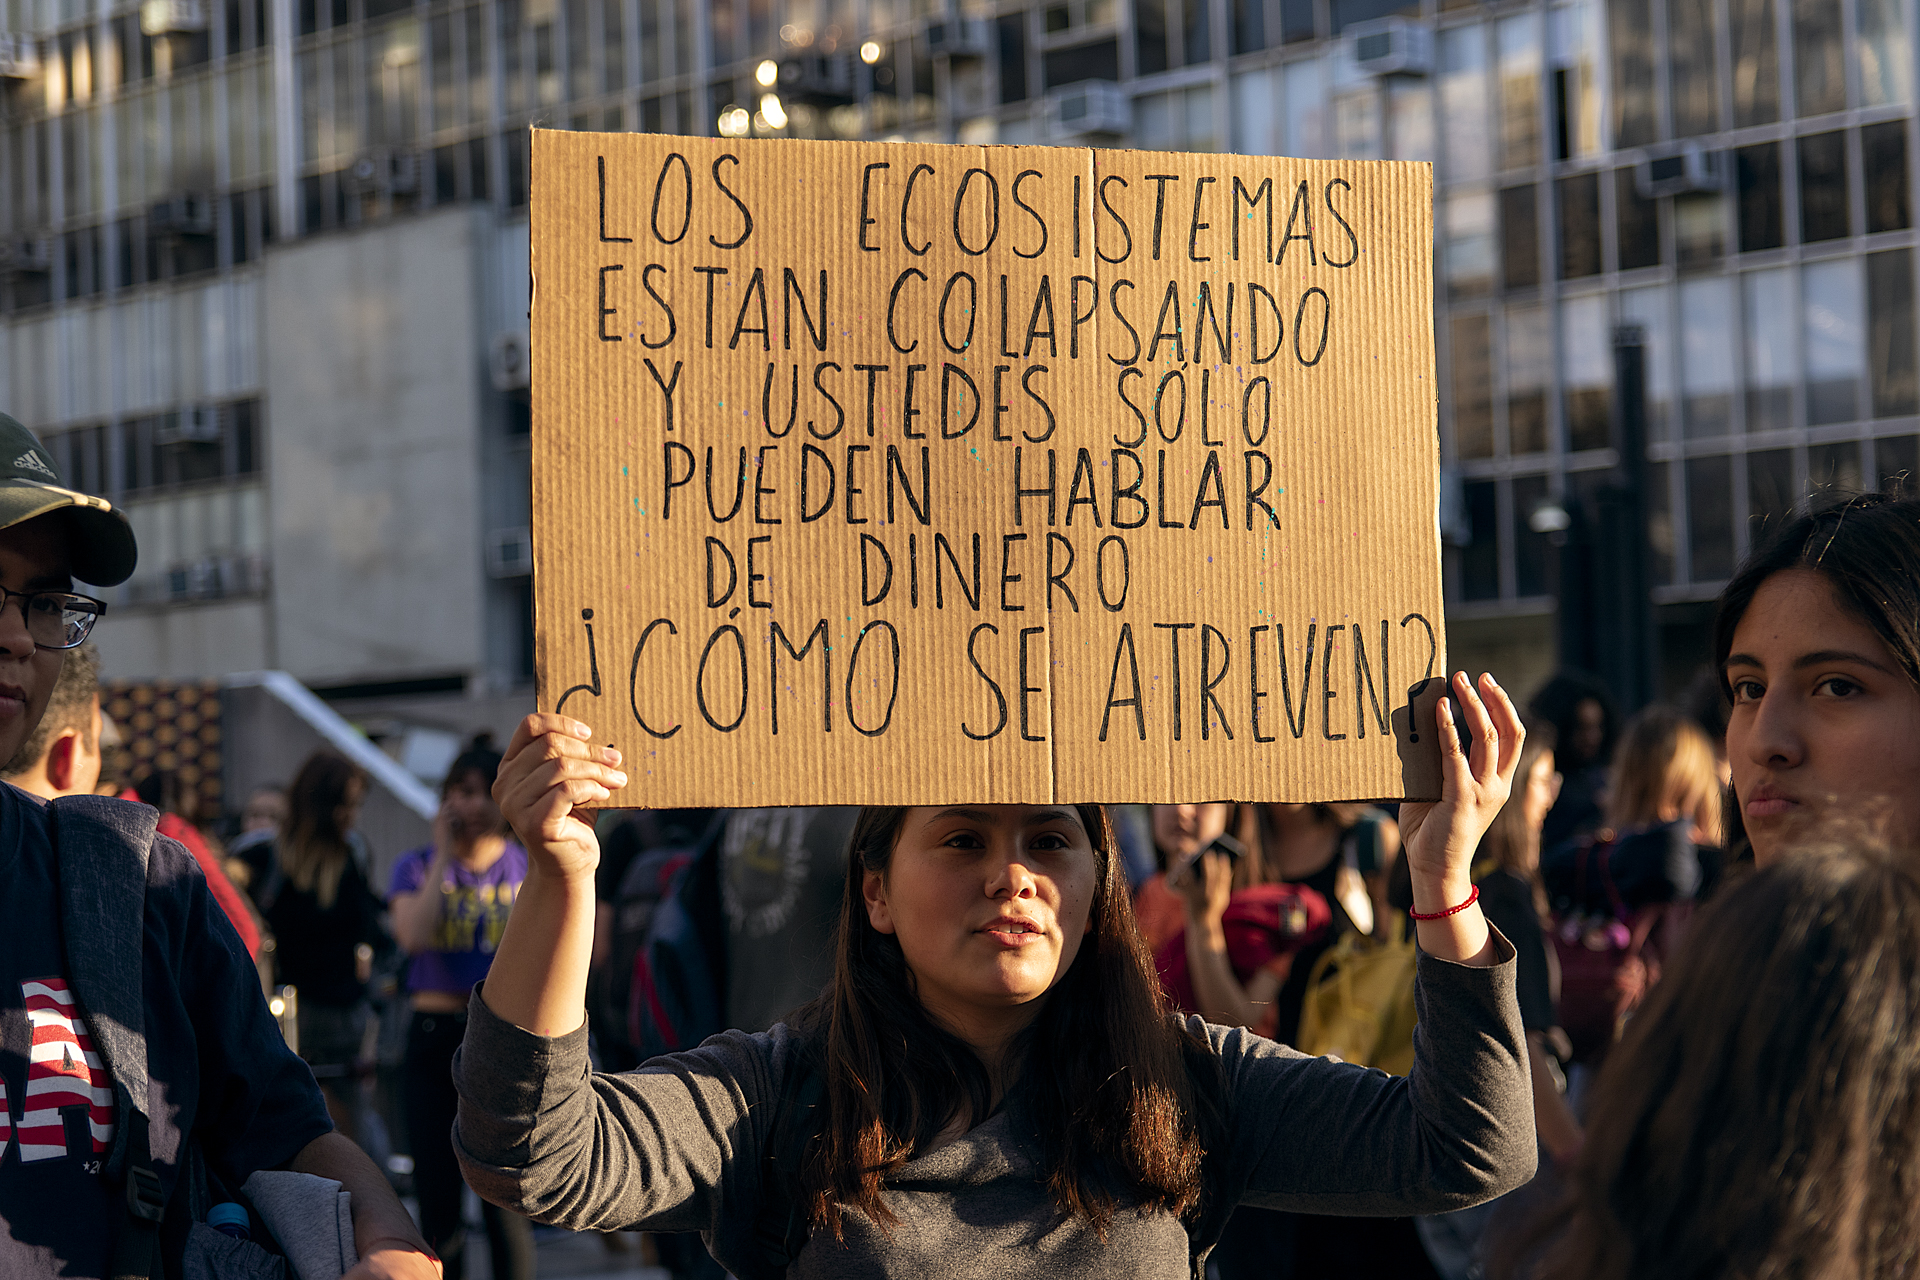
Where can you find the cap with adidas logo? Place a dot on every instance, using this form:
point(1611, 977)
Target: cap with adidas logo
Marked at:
point(100, 542)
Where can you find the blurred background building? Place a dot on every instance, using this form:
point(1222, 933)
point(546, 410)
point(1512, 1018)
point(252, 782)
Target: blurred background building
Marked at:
point(263, 268)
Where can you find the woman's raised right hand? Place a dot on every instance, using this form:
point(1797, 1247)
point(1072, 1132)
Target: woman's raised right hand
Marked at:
point(549, 784)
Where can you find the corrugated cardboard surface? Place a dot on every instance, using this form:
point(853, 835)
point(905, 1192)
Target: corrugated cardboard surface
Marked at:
point(1182, 405)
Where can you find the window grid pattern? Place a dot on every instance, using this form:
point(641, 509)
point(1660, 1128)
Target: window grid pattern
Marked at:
point(1779, 308)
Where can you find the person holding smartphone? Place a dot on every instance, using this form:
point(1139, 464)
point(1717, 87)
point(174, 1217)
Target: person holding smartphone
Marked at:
point(448, 908)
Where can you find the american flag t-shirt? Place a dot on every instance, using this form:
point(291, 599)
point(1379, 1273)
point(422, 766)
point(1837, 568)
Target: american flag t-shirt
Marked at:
point(63, 1071)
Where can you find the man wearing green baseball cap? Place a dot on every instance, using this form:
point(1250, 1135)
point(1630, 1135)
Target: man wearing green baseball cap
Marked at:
point(142, 1077)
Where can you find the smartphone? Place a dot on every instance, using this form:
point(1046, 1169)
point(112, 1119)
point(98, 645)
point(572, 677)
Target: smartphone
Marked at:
point(1226, 844)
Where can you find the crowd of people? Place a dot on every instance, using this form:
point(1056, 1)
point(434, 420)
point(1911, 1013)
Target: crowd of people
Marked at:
point(1634, 997)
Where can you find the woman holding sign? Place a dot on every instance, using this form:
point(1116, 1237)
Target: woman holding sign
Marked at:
point(993, 1074)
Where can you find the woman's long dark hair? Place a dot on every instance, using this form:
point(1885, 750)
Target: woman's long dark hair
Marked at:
point(1761, 1116)
point(1868, 549)
point(313, 848)
point(1103, 1081)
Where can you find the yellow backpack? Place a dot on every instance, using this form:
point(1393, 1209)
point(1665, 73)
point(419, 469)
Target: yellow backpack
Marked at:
point(1359, 1004)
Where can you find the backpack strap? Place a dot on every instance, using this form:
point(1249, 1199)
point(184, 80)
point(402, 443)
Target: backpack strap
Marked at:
point(101, 847)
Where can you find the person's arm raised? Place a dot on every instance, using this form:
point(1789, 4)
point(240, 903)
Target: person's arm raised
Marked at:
point(1441, 838)
point(548, 782)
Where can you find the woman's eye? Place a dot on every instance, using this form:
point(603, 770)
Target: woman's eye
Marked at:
point(1748, 690)
point(1050, 842)
point(1840, 686)
point(964, 840)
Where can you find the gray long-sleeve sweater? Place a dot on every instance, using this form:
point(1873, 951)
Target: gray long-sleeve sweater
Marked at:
point(676, 1144)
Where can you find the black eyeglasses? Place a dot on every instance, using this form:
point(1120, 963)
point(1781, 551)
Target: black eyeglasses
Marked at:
point(55, 619)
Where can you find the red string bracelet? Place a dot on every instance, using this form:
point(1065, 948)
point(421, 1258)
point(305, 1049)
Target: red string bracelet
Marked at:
point(1450, 911)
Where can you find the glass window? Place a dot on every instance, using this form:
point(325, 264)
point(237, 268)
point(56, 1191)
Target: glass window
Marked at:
point(1466, 139)
point(1883, 157)
point(1710, 517)
point(1762, 221)
point(1409, 120)
point(1834, 466)
point(1699, 229)
point(1770, 492)
point(1897, 460)
point(1150, 35)
point(1579, 200)
point(1835, 341)
point(1296, 20)
point(1586, 370)
point(1529, 341)
point(1823, 187)
point(1630, 24)
point(1249, 23)
point(1468, 229)
point(1532, 553)
point(1772, 365)
point(1706, 356)
point(1306, 114)
point(1639, 224)
point(1519, 40)
point(1819, 70)
point(1472, 387)
point(613, 50)
point(1886, 54)
point(1519, 238)
point(1256, 113)
point(1659, 508)
point(1573, 31)
point(1356, 125)
point(1693, 86)
point(1648, 308)
point(1756, 63)
point(1480, 558)
point(1890, 333)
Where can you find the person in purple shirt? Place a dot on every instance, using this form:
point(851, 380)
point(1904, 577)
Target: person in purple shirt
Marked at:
point(448, 906)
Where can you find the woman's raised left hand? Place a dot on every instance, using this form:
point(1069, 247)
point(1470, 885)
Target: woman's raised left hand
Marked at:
point(1442, 837)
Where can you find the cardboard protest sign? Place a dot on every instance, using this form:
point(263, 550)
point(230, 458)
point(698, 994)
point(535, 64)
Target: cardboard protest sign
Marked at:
point(898, 473)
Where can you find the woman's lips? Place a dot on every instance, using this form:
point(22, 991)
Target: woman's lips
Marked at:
point(1765, 804)
point(13, 702)
point(1011, 934)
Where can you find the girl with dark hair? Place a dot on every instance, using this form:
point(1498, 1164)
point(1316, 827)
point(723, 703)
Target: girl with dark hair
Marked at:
point(993, 1081)
point(326, 926)
point(1817, 641)
point(450, 901)
point(1773, 1134)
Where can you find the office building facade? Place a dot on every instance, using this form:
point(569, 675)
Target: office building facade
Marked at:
point(263, 266)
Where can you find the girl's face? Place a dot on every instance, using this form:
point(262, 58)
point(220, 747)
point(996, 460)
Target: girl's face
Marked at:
point(990, 904)
point(1182, 830)
point(1539, 789)
point(470, 804)
point(1825, 725)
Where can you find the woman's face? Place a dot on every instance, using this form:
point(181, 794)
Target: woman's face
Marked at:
point(1540, 788)
point(989, 904)
point(1589, 731)
point(470, 804)
point(1182, 830)
point(1824, 721)
point(349, 811)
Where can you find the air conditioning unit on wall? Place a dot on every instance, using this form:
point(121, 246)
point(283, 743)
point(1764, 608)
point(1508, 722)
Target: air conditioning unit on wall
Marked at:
point(1391, 47)
point(958, 38)
point(1693, 170)
point(1090, 109)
